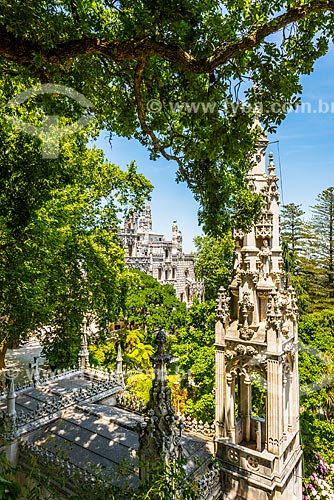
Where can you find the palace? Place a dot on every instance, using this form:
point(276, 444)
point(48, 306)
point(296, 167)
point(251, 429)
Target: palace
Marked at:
point(165, 260)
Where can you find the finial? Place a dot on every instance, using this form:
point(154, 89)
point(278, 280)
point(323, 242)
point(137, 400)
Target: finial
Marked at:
point(84, 353)
point(222, 308)
point(119, 364)
point(11, 395)
point(271, 165)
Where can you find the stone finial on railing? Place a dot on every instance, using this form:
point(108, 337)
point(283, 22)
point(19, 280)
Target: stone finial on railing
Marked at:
point(84, 353)
point(119, 365)
point(11, 396)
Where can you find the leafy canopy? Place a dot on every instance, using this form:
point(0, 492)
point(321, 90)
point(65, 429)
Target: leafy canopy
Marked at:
point(59, 253)
point(123, 54)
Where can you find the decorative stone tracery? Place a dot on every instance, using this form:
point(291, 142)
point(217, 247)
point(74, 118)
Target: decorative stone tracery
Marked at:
point(257, 337)
point(160, 437)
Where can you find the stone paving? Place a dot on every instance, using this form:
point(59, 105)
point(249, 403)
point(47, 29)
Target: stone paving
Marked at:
point(18, 360)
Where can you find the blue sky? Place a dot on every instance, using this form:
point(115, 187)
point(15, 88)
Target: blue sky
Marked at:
point(306, 143)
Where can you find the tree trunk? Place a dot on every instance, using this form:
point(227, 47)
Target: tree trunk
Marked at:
point(3, 350)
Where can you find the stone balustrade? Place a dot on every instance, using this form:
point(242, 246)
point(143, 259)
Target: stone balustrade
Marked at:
point(132, 403)
point(197, 426)
point(47, 376)
point(69, 476)
point(209, 485)
point(54, 405)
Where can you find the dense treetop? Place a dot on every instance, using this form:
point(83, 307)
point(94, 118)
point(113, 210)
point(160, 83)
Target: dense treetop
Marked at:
point(141, 64)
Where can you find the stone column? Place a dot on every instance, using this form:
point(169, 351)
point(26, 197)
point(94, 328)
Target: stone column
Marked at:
point(285, 403)
point(11, 443)
point(248, 407)
point(294, 401)
point(258, 436)
point(229, 402)
point(274, 415)
point(222, 318)
point(219, 391)
point(290, 396)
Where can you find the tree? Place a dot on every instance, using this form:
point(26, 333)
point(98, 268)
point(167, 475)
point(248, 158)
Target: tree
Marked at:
point(292, 227)
point(173, 75)
point(293, 232)
point(316, 362)
point(319, 251)
point(151, 306)
point(194, 346)
point(213, 262)
point(59, 254)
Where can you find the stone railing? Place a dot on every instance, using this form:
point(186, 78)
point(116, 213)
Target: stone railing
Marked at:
point(132, 403)
point(47, 376)
point(209, 485)
point(64, 475)
point(57, 404)
point(197, 426)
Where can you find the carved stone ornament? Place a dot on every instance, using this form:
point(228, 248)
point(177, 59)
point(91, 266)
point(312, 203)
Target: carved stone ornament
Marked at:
point(246, 333)
point(222, 309)
point(252, 462)
point(241, 350)
point(246, 307)
point(233, 455)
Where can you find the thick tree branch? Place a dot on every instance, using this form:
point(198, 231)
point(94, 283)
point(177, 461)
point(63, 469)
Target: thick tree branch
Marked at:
point(22, 51)
point(141, 111)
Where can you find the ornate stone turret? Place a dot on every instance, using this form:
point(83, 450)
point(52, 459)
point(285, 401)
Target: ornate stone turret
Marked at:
point(84, 353)
point(257, 339)
point(160, 437)
point(145, 223)
point(176, 238)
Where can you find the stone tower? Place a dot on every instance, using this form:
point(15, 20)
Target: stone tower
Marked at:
point(257, 343)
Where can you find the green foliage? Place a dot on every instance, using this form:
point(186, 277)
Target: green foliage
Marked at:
point(317, 435)
point(59, 254)
point(319, 251)
point(292, 228)
point(168, 481)
point(9, 487)
point(202, 408)
point(151, 306)
point(316, 360)
point(140, 384)
point(259, 395)
point(213, 262)
point(194, 346)
point(196, 59)
point(137, 352)
point(103, 354)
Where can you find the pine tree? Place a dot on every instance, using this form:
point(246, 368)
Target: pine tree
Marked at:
point(293, 240)
point(319, 251)
point(292, 229)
